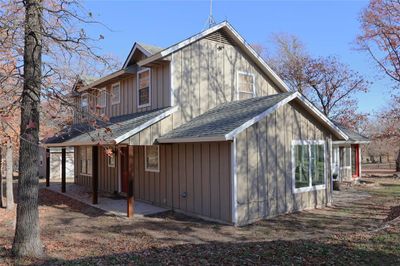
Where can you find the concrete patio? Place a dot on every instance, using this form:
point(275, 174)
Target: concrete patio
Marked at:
point(115, 206)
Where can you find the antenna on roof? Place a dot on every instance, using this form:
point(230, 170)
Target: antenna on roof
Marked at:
point(210, 21)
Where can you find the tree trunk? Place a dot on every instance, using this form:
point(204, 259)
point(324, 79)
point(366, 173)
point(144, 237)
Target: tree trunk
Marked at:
point(398, 162)
point(1, 181)
point(9, 176)
point(27, 234)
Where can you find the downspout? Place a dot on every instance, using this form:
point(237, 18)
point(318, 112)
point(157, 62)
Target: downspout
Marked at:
point(234, 181)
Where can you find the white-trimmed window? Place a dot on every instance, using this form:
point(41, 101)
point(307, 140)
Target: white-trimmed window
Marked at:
point(308, 158)
point(245, 85)
point(152, 158)
point(144, 88)
point(102, 101)
point(115, 93)
point(111, 160)
point(85, 102)
point(85, 153)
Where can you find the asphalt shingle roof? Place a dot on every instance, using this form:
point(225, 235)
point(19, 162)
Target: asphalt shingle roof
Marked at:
point(224, 118)
point(353, 136)
point(104, 132)
point(152, 49)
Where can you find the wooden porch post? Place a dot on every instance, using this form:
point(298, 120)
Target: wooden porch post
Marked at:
point(130, 201)
point(47, 167)
point(63, 170)
point(95, 174)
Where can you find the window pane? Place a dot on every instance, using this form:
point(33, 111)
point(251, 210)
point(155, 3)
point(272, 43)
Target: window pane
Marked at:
point(152, 158)
point(89, 152)
point(83, 166)
point(101, 101)
point(144, 87)
point(317, 165)
point(353, 160)
point(246, 83)
point(89, 167)
point(144, 96)
point(347, 155)
point(301, 160)
point(84, 101)
point(245, 95)
point(115, 97)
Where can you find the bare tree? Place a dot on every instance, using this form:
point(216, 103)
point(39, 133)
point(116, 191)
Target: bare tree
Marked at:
point(9, 176)
point(380, 38)
point(333, 86)
point(380, 35)
point(48, 46)
point(289, 60)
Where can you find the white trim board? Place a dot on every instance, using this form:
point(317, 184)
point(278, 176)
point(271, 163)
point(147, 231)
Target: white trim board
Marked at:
point(138, 88)
point(135, 47)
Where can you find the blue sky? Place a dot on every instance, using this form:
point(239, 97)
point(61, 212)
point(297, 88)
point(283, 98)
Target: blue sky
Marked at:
point(325, 27)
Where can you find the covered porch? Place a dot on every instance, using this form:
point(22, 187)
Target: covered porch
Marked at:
point(109, 204)
point(103, 161)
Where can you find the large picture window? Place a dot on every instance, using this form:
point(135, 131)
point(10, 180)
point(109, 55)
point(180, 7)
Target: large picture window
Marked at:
point(152, 159)
point(245, 85)
point(85, 153)
point(308, 159)
point(144, 88)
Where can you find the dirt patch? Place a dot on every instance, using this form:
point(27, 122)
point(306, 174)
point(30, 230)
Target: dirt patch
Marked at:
point(74, 233)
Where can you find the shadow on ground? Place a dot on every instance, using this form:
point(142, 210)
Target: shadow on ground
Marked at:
point(273, 252)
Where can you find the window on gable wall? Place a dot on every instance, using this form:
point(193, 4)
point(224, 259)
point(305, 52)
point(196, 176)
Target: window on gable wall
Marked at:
point(245, 86)
point(102, 101)
point(308, 165)
point(144, 88)
point(85, 104)
point(115, 93)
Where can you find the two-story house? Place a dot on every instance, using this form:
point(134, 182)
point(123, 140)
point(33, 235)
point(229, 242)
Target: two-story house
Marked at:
point(204, 127)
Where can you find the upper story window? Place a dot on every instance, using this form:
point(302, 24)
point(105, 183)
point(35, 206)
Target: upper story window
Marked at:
point(308, 158)
point(102, 101)
point(144, 88)
point(115, 93)
point(85, 103)
point(245, 85)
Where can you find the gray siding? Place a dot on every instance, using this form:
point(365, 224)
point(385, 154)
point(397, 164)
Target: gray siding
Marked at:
point(160, 93)
point(204, 76)
point(201, 170)
point(264, 165)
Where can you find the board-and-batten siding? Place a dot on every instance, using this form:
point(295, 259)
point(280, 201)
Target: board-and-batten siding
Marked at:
point(201, 170)
point(160, 93)
point(204, 75)
point(264, 165)
point(108, 176)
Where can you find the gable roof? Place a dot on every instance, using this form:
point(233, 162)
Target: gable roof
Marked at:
point(115, 131)
point(226, 121)
point(354, 137)
point(234, 36)
point(146, 49)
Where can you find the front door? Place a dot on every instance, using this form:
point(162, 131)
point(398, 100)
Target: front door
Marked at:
point(124, 169)
point(355, 160)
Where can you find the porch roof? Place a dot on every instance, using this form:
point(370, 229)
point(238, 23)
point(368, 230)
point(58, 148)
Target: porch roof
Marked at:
point(114, 131)
point(354, 137)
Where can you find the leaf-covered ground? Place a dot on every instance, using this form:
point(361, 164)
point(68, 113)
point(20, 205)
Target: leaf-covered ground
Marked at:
point(361, 228)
